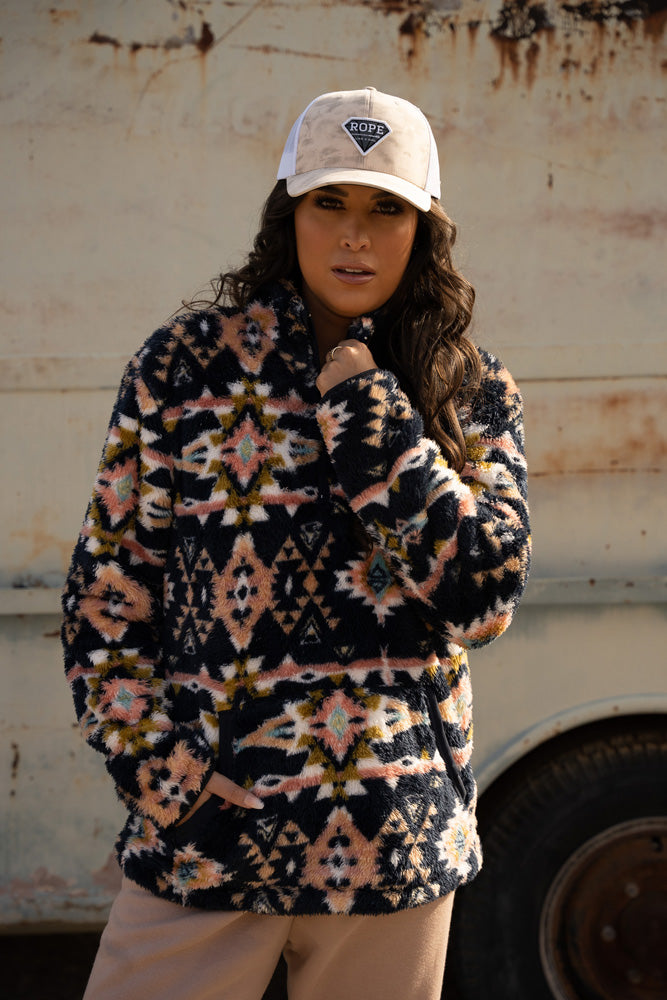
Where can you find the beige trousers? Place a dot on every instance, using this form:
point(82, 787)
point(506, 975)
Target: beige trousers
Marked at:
point(156, 950)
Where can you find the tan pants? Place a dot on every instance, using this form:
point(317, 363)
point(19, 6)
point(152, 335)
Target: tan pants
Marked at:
point(158, 950)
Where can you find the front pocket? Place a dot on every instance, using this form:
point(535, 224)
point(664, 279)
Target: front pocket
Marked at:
point(443, 744)
point(226, 743)
point(209, 810)
point(199, 820)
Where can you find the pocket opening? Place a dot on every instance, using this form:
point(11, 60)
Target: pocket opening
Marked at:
point(226, 743)
point(442, 743)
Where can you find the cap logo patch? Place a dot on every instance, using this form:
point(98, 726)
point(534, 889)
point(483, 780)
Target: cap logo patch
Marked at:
point(366, 133)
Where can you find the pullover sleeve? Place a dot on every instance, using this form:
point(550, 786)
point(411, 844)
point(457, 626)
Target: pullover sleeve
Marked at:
point(458, 544)
point(112, 606)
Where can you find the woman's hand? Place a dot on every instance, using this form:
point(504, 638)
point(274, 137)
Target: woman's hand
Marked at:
point(349, 357)
point(224, 788)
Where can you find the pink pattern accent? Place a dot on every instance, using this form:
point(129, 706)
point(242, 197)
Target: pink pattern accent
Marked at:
point(243, 592)
point(113, 601)
point(117, 489)
point(124, 700)
point(340, 861)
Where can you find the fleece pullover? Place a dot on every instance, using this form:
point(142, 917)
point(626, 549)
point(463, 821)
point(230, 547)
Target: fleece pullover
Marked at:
point(224, 611)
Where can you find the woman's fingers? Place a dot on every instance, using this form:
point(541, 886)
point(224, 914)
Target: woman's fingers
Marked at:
point(224, 788)
point(348, 358)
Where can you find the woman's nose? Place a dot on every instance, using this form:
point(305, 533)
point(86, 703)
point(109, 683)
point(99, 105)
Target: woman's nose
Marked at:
point(355, 236)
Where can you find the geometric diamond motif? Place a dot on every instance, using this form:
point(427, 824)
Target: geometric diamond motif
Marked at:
point(379, 578)
point(340, 861)
point(407, 830)
point(371, 580)
point(245, 451)
point(252, 336)
point(193, 618)
point(338, 736)
point(242, 592)
point(338, 721)
point(117, 490)
point(298, 592)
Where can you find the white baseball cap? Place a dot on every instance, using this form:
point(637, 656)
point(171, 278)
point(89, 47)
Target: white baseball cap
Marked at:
point(363, 137)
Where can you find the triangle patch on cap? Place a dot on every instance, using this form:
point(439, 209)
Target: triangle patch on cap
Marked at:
point(366, 133)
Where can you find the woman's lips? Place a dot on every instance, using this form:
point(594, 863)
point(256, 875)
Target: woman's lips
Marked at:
point(353, 274)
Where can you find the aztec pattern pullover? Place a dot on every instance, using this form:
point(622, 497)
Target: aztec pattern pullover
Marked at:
point(221, 614)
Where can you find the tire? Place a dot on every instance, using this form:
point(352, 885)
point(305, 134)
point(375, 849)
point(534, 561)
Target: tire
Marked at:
point(571, 902)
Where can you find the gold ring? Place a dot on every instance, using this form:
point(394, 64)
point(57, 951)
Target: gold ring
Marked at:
point(333, 351)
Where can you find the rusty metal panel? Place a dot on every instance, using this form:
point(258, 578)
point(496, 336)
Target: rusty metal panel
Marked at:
point(59, 818)
point(146, 135)
point(141, 138)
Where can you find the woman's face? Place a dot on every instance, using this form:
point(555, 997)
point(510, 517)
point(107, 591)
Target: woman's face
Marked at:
point(353, 244)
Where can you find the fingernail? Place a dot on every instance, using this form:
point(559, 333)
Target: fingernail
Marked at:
point(252, 802)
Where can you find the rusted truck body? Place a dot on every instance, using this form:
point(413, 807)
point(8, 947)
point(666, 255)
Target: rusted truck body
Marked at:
point(139, 141)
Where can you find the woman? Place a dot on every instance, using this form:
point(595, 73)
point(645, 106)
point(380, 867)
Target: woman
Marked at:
point(311, 501)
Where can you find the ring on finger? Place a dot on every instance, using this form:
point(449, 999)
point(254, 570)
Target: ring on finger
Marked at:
point(333, 351)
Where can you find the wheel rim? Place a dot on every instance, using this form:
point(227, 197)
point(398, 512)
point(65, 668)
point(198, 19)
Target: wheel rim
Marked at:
point(604, 922)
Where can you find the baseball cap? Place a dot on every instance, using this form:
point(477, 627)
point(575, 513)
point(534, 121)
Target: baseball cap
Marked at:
point(363, 137)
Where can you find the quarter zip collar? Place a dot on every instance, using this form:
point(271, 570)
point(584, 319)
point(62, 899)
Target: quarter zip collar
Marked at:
point(295, 320)
point(284, 295)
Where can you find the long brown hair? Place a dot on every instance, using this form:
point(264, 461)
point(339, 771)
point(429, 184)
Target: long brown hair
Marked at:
point(424, 324)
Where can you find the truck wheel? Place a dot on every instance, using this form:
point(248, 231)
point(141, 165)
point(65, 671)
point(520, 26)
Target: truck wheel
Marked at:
point(572, 900)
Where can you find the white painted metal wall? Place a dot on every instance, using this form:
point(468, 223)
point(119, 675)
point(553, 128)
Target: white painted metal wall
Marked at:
point(138, 142)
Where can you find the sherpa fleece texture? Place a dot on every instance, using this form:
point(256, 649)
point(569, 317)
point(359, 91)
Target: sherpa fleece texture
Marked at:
point(220, 612)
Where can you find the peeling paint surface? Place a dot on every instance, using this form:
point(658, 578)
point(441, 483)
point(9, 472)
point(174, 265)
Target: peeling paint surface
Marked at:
point(141, 139)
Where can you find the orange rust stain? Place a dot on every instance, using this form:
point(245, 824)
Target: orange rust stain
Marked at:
point(646, 225)
point(140, 46)
point(42, 880)
point(509, 56)
point(206, 40)
point(41, 540)
point(473, 30)
point(58, 16)
point(520, 24)
point(654, 25)
point(98, 39)
point(637, 225)
point(604, 432)
point(412, 33)
point(531, 63)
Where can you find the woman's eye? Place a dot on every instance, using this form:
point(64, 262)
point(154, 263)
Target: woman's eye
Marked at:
point(389, 207)
point(326, 201)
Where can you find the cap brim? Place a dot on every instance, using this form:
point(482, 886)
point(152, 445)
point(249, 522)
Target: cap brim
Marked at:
point(302, 183)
